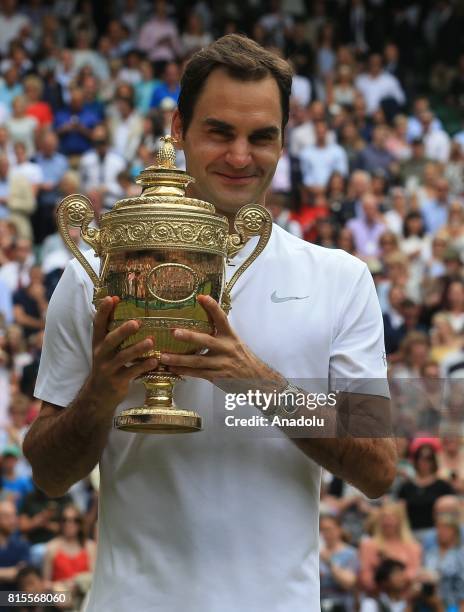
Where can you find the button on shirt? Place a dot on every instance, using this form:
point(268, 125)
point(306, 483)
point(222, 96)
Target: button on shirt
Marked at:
point(319, 163)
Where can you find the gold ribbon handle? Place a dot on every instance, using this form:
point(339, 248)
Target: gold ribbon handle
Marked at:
point(250, 220)
point(76, 211)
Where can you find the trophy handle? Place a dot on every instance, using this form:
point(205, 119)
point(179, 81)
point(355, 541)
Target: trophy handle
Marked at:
point(251, 220)
point(76, 211)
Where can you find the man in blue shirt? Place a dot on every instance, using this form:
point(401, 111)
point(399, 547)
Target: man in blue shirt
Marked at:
point(14, 551)
point(74, 125)
point(53, 166)
point(169, 87)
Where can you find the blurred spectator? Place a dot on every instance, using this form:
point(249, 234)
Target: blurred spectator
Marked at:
point(319, 161)
point(53, 166)
point(391, 539)
point(145, 87)
point(436, 141)
point(391, 582)
point(16, 486)
point(281, 215)
point(30, 303)
point(11, 24)
point(99, 167)
point(169, 86)
point(375, 156)
point(338, 567)
point(368, 229)
point(435, 211)
point(159, 37)
point(444, 338)
point(194, 36)
point(21, 126)
point(446, 560)
point(14, 551)
point(16, 272)
point(35, 106)
point(70, 553)
point(74, 125)
point(126, 128)
point(378, 86)
point(420, 494)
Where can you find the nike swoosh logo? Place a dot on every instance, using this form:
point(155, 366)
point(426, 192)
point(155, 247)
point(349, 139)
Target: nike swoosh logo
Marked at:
point(278, 300)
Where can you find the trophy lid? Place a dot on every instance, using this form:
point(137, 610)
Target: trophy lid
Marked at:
point(163, 177)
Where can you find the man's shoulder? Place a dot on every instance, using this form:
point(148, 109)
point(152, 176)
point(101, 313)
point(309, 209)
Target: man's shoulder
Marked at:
point(323, 256)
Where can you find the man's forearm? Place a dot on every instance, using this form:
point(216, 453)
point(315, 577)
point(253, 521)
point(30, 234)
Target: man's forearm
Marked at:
point(65, 447)
point(357, 446)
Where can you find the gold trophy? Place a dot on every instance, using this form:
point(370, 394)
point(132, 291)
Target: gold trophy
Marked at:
point(158, 251)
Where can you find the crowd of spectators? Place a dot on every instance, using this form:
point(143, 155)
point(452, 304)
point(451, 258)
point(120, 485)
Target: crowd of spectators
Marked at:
point(373, 164)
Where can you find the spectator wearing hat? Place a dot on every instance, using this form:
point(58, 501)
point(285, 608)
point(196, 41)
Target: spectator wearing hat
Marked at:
point(17, 486)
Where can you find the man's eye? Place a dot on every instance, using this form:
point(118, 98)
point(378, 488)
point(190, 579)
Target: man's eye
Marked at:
point(262, 139)
point(220, 134)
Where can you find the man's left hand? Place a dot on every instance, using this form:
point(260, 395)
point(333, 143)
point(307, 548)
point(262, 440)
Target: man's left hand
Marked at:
point(227, 359)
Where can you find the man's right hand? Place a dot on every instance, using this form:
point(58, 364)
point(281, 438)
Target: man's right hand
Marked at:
point(109, 380)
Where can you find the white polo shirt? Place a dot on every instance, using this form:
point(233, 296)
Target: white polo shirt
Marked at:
point(211, 522)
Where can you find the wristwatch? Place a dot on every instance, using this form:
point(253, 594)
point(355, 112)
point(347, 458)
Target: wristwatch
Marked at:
point(285, 405)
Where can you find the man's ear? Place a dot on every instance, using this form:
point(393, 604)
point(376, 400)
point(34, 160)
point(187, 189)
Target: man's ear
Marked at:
point(176, 130)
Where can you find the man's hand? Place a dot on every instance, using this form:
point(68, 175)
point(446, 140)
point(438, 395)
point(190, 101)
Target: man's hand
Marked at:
point(228, 358)
point(110, 377)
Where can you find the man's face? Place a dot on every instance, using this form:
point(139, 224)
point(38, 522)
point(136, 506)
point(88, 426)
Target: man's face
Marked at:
point(234, 140)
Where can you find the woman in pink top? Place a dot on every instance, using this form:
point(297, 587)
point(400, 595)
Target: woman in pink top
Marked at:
point(391, 539)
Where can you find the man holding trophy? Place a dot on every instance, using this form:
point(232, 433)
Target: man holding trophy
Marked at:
point(207, 522)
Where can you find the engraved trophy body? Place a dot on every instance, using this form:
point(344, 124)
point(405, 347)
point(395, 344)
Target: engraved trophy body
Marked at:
point(158, 251)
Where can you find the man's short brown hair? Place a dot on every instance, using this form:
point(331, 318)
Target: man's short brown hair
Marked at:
point(243, 59)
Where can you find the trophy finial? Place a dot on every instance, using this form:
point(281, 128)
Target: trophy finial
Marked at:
point(166, 156)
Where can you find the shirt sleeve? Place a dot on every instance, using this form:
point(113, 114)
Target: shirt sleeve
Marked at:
point(67, 349)
point(357, 360)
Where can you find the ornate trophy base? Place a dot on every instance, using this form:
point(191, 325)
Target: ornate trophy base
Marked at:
point(159, 414)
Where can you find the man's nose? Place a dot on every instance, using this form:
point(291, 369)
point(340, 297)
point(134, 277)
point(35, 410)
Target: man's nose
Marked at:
point(239, 154)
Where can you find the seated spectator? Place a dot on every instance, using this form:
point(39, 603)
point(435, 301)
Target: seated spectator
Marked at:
point(437, 143)
point(35, 106)
point(29, 580)
point(10, 87)
point(451, 460)
point(434, 258)
point(420, 494)
point(126, 129)
point(446, 558)
point(21, 127)
point(16, 271)
point(376, 85)
point(338, 566)
point(14, 551)
point(395, 217)
point(391, 539)
point(99, 168)
point(29, 169)
point(303, 134)
point(71, 552)
point(435, 210)
point(194, 37)
point(320, 161)
point(74, 125)
point(368, 229)
point(159, 37)
point(281, 215)
point(397, 143)
point(446, 504)
point(391, 582)
point(454, 305)
point(169, 86)
point(411, 169)
point(375, 156)
point(17, 487)
point(414, 348)
point(444, 338)
point(145, 87)
point(53, 165)
point(341, 90)
point(30, 303)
